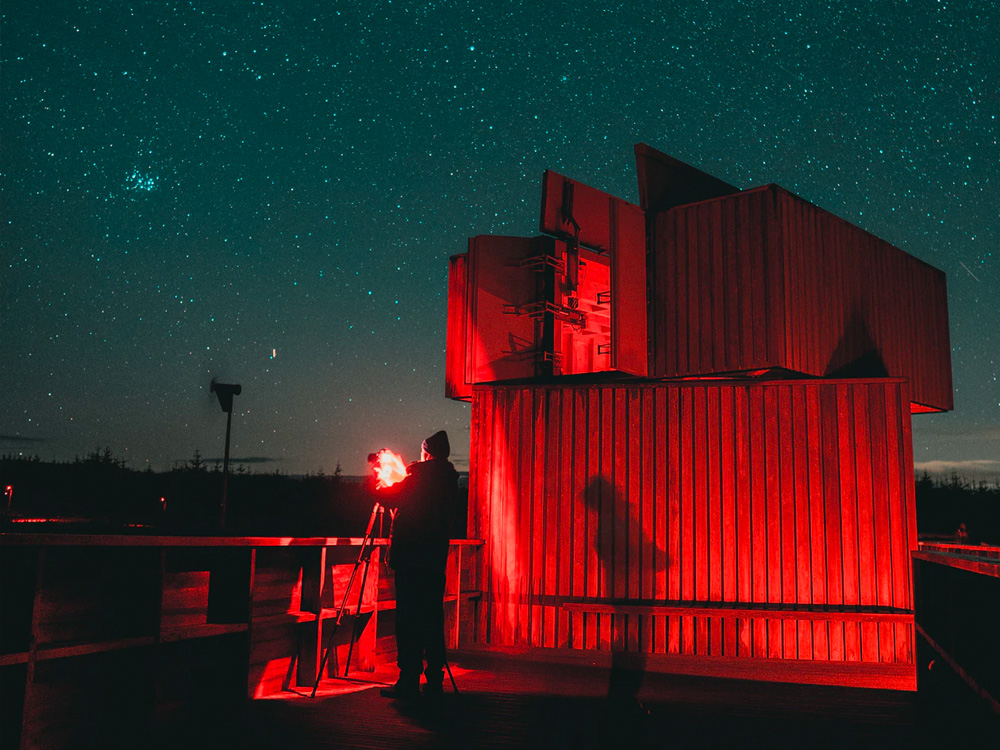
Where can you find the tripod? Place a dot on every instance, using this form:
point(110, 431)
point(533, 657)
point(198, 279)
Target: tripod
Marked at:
point(364, 556)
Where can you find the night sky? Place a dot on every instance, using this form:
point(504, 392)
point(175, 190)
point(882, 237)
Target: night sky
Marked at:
point(268, 193)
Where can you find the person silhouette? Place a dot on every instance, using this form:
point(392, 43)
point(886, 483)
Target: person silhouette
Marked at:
point(426, 501)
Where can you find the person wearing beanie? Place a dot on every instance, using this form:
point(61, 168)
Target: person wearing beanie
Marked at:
point(427, 501)
point(436, 446)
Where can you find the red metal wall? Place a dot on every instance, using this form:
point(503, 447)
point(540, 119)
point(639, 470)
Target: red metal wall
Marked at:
point(456, 384)
point(764, 279)
point(744, 521)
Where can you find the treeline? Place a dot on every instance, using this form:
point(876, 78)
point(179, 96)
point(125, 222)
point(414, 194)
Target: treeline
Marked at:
point(99, 492)
point(943, 504)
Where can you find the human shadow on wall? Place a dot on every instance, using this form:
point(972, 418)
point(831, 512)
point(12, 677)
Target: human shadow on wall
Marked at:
point(628, 667)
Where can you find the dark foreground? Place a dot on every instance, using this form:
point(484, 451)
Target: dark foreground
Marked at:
point(511, 703)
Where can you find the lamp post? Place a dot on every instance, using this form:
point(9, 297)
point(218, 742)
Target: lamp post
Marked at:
point(225, 393)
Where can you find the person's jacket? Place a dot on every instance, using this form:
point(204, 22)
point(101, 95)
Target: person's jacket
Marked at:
point(427, 500)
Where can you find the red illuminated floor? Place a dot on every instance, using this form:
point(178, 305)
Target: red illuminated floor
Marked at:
point(512, 703)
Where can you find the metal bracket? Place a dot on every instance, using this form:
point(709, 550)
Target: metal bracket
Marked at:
point(553, 357)
point(604, 298)
point(537, 355)
point(538, 309)
point(539, 262)
point(520, 354)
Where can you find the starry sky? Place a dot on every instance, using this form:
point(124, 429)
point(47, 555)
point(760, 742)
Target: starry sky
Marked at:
point(268, 192)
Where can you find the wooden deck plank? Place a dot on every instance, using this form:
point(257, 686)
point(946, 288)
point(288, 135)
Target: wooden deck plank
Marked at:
point(518, 702)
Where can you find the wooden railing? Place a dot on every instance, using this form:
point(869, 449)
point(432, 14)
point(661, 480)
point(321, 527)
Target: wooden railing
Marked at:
point(958, 608)
point(104, 633)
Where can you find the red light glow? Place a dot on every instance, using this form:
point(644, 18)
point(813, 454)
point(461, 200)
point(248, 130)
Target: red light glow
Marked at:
point(389, 468)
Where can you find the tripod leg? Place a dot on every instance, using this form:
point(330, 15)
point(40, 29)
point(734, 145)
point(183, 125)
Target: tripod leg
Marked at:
point(357, 616)
point(451, 677)
point(343, 601)
point(322, 662)
point(336, 626)
point(333, 632)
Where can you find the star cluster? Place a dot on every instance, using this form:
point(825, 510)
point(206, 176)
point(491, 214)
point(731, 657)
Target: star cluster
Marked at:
point(267, 193)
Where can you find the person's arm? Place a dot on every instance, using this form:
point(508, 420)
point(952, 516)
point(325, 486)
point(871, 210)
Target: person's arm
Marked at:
point(395, 495)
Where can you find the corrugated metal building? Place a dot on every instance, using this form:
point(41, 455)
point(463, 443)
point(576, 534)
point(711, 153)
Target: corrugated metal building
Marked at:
point(668, 457)
point(731, 521)
point(764, 279)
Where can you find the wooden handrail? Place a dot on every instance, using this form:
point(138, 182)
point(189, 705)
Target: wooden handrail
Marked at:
point(975, 550)
point(135, 540)
point(845, 613)
point(981, 564)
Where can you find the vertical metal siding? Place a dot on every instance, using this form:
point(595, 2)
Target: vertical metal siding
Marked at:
point(501, 346)
point(764, 279)
point(629, 290)
point(455, 383)
point(760, 499)
point(893, 305)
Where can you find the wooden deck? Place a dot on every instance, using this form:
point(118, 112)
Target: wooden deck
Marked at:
point(508, 702)
point(156, 642)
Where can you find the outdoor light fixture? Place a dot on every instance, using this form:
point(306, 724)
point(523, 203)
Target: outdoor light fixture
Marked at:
point(225, 393)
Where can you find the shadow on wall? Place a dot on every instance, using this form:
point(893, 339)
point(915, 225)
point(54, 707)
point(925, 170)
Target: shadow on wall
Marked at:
point(856, 355)
point(622, 548)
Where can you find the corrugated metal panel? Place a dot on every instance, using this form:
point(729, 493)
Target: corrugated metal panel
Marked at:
point(712, 305)
point(764, 279)
point(540, 306)
point(578, 213)
point(502, 340)
point(572, 210)
point(894, 310)
point(629, 330)
point(758, 520)
point(455, 383)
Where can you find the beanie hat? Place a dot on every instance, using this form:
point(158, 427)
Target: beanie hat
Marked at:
point(437, 445)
